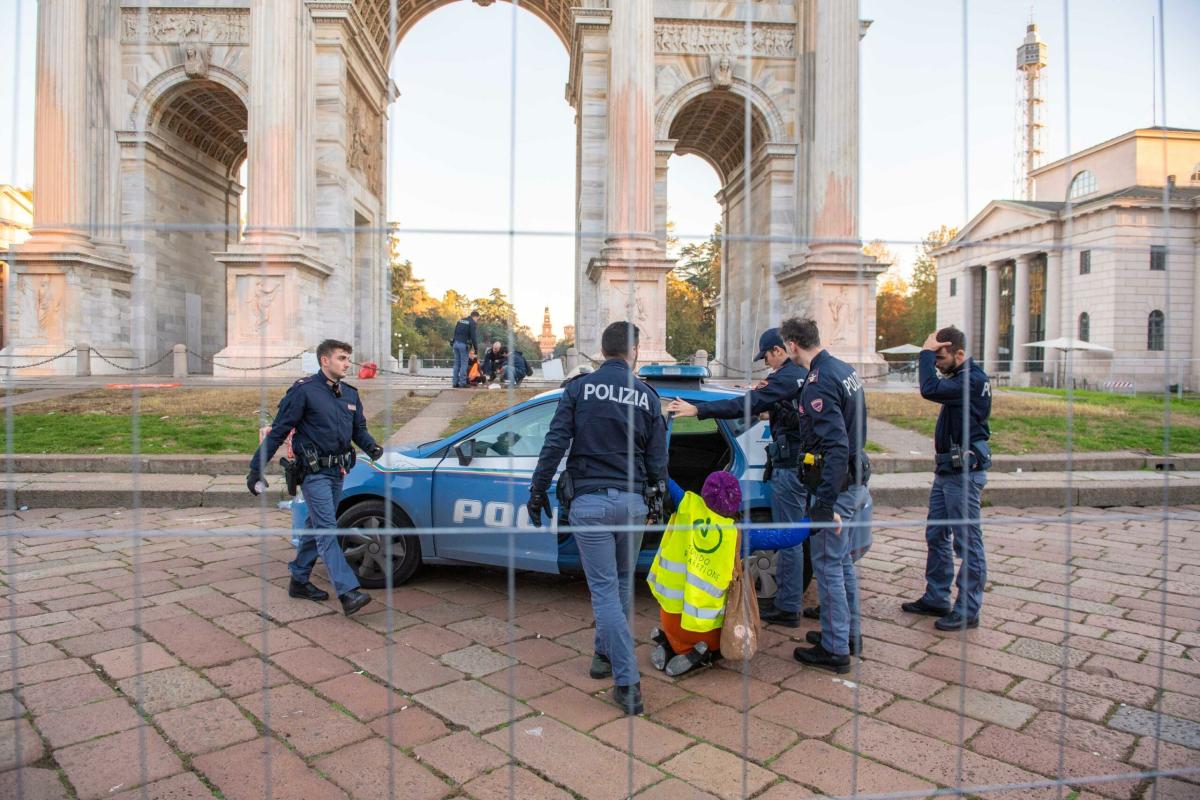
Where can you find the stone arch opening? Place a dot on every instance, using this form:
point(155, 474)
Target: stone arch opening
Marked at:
point(380, 22)
point(713, 124)
point(194, 146)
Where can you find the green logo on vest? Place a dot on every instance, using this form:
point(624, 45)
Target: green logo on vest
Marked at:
point(703, 531)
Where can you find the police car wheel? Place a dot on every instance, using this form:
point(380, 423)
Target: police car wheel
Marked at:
point(367, 548)
point(763, 564)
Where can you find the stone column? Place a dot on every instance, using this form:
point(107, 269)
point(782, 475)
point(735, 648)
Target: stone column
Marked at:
point(1021, 353)
point(62, 164)
point(991, 318)
point(966, 294)
point(275, 113)
point(830, 274)
point(105, 109)
point(277, 279)
point(663, 151)
point(631, 129)
point(1054, 326)
point(834, 175)
point(629, 275)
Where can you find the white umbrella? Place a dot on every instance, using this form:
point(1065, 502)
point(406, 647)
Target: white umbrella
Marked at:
point(1066, 343)
point(901, 350)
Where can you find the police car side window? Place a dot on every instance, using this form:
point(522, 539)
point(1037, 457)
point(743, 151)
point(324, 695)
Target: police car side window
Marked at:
point(521, 434)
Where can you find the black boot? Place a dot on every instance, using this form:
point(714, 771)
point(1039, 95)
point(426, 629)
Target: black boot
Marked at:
point(814, 637)
point(924, 609)
point(629, 698)
point(777, 616)
point(307, 591)
point(818, 656)
point(601, 667)
point(353, 600)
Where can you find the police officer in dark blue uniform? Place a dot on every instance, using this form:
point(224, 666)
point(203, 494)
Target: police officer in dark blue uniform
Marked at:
point(465, 339)
point(614, 427)
point(834, 409)
point(327, 416)
point(961, 465)
point(777, 397)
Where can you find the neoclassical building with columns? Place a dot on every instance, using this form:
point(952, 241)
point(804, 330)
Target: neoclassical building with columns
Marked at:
point(146, 113)
point(1098, 256)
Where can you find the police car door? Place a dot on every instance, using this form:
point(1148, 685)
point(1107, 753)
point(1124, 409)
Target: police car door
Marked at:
point(482, 486)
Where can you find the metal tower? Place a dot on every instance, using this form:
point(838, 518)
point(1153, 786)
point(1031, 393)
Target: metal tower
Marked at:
point(1031, 57)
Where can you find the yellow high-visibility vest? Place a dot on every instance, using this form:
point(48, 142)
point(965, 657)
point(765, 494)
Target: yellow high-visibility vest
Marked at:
point(694, 564)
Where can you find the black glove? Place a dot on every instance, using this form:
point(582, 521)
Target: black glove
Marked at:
point(252, 478)
point(821, 512)
point(538, 502)
point(375, 452)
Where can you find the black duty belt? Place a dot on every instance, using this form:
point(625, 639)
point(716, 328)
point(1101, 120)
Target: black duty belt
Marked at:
point(340, 460)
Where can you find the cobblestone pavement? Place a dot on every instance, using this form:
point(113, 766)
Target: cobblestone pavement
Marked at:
point(103, 698)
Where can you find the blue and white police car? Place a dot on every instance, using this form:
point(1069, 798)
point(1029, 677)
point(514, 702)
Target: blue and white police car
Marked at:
point(454, 491)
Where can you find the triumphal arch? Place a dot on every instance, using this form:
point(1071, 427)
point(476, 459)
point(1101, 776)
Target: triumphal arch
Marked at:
point(147, 111)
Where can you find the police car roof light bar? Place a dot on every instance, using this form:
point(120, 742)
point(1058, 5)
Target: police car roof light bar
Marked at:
point(682, 372)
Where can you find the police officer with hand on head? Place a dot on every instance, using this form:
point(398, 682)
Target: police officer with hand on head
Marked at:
point(614, 426)
point(777, 397)
point(963, 457)
point(327, 416)
point(835, 469)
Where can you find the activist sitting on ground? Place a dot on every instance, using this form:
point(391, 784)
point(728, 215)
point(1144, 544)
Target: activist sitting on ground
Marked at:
point(696, 561)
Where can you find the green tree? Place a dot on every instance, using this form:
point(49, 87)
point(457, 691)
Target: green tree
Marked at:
point(693, 289)
point(923, 285)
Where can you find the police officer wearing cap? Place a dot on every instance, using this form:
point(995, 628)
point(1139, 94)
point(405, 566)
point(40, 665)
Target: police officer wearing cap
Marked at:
point(777, 397)
point(327, 416)
point(960, 441)
point(613, 424)
point(835, 469)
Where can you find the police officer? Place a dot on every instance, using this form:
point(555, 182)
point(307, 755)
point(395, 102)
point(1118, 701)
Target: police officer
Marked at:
point(466, 338)
point(327, 416)
point(777, 397)
point(833, 405)
point(960, 440)
point(613, 424)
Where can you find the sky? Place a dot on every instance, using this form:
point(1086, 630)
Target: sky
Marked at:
point(450, 156)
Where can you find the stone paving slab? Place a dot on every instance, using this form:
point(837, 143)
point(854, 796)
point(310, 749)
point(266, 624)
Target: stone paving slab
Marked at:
point(81, 618)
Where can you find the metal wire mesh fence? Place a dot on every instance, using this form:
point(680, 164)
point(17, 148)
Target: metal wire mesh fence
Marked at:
point(153, 642)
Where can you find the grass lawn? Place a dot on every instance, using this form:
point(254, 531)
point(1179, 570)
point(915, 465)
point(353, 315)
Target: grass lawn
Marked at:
point(1035, 420)
point(487, 402)
point(170, 421)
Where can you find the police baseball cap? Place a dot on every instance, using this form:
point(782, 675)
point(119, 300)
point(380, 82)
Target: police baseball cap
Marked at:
point(770, 339)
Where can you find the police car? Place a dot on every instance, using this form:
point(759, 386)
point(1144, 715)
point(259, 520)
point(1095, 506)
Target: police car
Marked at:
point(454, 492)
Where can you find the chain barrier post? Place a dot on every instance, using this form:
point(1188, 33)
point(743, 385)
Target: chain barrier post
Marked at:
point(180, 362)
point(83, 360)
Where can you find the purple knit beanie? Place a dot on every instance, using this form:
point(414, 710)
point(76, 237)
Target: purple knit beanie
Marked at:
point(722, 493)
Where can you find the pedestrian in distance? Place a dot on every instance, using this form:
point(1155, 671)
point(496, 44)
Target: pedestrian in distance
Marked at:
point(465, 340)
point(776, 397)
point(835, 470)
point(327, 416)
point(613, 424)
point(951, 378)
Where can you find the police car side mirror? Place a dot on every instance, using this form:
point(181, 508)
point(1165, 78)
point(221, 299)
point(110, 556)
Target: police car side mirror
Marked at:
point(465, 450)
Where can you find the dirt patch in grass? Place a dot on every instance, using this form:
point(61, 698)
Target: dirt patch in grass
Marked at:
point(1037, 422)
point(487, 403)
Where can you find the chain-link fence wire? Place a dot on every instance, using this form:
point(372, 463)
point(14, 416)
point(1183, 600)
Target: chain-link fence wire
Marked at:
point(963, 779)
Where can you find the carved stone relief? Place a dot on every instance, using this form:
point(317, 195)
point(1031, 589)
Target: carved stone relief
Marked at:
point(729, 39)
point(364, 146)
point(43, 302)
point(837, 316)
point(195, 59)
point(261, 308)
point(721, 70)
point(172, 25)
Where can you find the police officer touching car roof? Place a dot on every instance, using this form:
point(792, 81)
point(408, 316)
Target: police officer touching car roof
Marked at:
point(963, 458)
point(835, 469)
point(777, 397)
point(613, 424)
point(327, 416)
